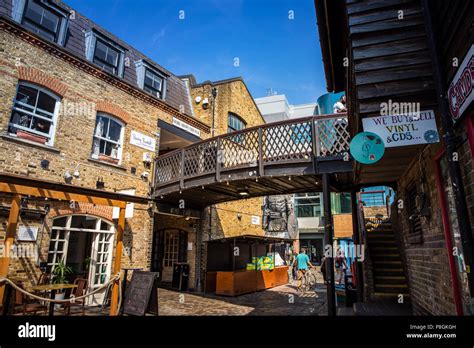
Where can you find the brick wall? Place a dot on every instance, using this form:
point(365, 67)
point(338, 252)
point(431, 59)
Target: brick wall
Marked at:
point(232, 96)
point(427, 262)
point(82, 95)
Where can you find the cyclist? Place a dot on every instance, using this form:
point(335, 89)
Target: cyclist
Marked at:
point(302, 260)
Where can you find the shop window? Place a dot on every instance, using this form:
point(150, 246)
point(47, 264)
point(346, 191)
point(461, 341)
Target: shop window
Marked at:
point(108, 139)
point(34, 114)
point(416, 230)
point(43, 18)
point(105, 53)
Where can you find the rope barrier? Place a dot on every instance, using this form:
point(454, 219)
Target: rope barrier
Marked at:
point(71, 299)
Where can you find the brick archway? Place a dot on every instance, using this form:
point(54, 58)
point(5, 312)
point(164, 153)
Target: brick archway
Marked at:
point(43, 79)
point(114, 110)
point(65, 208)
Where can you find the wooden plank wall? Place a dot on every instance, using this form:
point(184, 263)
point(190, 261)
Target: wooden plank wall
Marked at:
point(390, 61)
point(451, 18)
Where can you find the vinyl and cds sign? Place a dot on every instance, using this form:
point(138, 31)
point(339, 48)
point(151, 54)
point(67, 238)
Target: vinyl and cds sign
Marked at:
point(404, 129)
point(460, 91)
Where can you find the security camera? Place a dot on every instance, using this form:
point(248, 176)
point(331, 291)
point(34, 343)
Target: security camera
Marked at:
point(145, 175)
point(205, 103)
point(67, 176)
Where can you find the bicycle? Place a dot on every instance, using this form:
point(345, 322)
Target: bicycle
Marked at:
point(308, 280)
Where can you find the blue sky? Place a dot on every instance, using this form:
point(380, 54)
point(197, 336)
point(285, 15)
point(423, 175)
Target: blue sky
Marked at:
point(273, 51)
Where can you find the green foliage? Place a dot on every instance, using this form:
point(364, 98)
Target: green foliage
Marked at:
point(60, 272)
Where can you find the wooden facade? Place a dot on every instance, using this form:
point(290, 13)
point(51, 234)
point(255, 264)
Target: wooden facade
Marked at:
point(388, 59)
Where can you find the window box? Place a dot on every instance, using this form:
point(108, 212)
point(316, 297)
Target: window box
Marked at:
point(108, 159)
point(31, 137)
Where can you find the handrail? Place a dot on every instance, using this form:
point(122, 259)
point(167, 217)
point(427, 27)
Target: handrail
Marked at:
point(264, 125)
point(294, 140)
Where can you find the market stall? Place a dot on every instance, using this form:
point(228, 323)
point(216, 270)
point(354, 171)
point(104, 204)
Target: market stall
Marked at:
point(245, 264)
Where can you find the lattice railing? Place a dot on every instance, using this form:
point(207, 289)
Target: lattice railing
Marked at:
point(280, 142)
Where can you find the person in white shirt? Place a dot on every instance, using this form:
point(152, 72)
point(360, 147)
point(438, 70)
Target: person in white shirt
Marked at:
point(340, 106)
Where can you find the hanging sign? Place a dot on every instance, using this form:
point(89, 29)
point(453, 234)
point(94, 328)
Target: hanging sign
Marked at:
point(404, 129)
point(367, 148)
point(460, 91)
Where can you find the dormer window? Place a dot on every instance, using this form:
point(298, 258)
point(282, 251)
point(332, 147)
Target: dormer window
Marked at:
point(43, 18)
point(153, 83)
point(105, 53)
point(150, 79)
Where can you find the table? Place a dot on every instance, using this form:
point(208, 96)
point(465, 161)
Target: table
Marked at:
point(53, 288)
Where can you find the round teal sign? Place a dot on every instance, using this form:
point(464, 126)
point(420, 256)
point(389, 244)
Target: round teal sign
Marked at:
point(367, 148)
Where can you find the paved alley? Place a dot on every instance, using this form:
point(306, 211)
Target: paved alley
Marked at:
point(282, 300)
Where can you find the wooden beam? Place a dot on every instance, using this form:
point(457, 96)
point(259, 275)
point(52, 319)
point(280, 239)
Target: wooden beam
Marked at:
point(9, 240)
point(117, 262)
point(59, 195)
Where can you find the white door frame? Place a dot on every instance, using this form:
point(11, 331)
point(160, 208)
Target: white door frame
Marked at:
point(97, 251)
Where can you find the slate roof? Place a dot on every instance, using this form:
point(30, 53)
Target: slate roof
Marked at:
point(177, 93)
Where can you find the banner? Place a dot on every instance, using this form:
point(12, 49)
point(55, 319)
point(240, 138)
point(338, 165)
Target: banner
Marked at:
point(404, 129)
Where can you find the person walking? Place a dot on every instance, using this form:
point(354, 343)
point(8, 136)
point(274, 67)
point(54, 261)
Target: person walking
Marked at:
point(303, 264)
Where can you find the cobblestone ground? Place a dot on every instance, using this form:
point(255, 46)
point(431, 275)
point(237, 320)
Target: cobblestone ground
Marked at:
point(282, 300)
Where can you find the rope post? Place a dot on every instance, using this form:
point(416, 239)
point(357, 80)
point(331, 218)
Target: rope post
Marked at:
point(117, 263)
point(9, 240)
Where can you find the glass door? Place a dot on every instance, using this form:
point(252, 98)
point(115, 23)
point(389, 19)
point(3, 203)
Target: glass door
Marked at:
point(58, 243)
point(101, 261)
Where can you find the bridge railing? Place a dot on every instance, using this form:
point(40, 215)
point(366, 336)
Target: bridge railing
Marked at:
point(289, 141)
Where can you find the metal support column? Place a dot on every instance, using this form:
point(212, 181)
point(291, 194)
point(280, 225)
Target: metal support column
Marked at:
point(357, 241)
point(328, 241)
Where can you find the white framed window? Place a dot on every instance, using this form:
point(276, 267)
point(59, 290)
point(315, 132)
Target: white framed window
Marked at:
point(105, 53)
point(150, 79)
point(108, 139)
point(34, 113)
point(43, 18)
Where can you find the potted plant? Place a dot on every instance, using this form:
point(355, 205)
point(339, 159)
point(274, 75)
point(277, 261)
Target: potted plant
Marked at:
point(60, 273)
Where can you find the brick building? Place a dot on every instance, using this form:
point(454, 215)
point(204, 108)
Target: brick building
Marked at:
point(414, 53)
point(81, 108)
point(233, 109)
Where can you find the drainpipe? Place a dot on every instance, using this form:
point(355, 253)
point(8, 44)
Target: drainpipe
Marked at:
point(450, 144)
point(214, 95)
